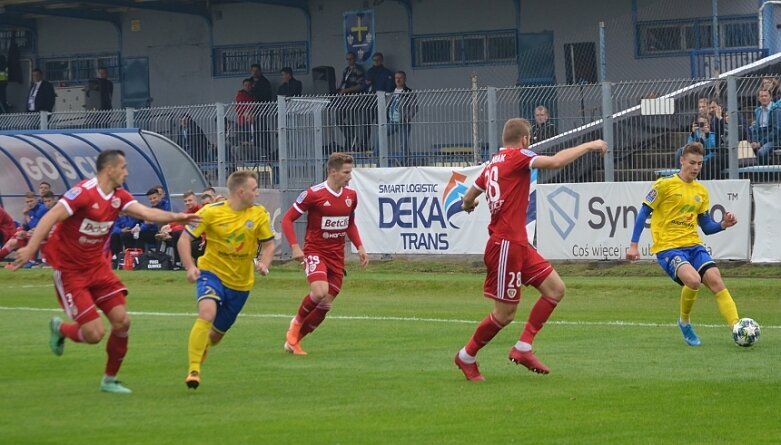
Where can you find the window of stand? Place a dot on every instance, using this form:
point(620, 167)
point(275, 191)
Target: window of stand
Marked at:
point(677, 37)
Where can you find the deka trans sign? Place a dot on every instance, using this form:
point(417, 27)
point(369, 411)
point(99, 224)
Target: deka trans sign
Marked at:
point(418, 210)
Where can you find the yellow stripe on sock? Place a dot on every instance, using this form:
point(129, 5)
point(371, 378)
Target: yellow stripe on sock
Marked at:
point(199, 340)
point(727, 306)
point(688, 297)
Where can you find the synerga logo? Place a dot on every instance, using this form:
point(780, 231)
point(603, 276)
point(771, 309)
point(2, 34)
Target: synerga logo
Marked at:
point(422, 213)
point(564, 203)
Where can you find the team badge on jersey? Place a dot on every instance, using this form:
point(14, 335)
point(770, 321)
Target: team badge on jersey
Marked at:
point(348, 202)
point(249, 224)
point(73, 193)
point(301, 197)
point(697, 198)
point(651, 196)
point(115, 202)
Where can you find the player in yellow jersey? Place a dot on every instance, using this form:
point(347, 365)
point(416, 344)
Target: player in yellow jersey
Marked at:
point(225, 273)
point(677, 205)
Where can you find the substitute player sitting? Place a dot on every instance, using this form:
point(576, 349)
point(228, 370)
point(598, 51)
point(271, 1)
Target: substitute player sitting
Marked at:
point(76, 250)
point(677, 204)
point(225, 272)
point(330, 208)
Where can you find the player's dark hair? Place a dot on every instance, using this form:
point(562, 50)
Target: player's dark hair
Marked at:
point(189, 193)
point(337, 160)
point(514, 130)
point(44, 182)
point(256, 65)
point(48, 194)
point(108, 157)
point(287, 70)
point(152, 191)
point(239, 178)
point(693, 148)
point(209, 189)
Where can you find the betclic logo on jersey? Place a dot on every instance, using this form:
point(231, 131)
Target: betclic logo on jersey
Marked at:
point(423, 212)
point(334, 223)
point(95, 228)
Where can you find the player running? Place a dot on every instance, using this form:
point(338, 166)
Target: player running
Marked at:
point(510, 260)
point(83, 278)
point(677, 204)
point(330, 208)
point(225, 273)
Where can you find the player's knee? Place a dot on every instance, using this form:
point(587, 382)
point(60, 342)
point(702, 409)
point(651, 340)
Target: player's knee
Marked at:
point(319, 293)
point(121, 325)
point(692, 282)
point(93, 333)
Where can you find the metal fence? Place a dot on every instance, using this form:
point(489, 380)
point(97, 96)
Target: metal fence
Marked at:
point(643, 122)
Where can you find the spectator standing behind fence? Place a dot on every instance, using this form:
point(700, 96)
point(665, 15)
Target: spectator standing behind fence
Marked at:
point(379, 78)
point(193, 140)
point(402, 107)
point(103, 87)
point(543, 128)
point(41, 95)
point(766, 127)
point(719, 123)
point(245, 120)
point(350, 113)
point(261, 90)
point(770, 83)
point(291, 87)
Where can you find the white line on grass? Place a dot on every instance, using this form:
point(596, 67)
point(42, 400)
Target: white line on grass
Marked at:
point(415, 319)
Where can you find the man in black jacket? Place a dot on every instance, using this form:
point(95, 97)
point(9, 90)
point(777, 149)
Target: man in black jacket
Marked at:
point(41, 94)
point(291, 86)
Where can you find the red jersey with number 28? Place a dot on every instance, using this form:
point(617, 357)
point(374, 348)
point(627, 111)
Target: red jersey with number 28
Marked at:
point(330, 214)
point(506, 181)
point(77, 243)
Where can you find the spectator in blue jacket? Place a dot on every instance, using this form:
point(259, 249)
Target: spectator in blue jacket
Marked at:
point(124, 224)
point(143, 233)
point(766, 128)
point(33, 212)
point(379, 78)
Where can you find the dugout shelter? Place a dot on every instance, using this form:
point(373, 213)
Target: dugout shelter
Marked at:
point(64, 157)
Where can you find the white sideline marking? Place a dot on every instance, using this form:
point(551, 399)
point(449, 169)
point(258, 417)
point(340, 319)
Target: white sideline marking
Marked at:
point(372, 318)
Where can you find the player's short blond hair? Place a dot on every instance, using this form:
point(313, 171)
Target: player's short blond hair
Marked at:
point(693, 148)
point(337, 160)
point(514, 130)
point(239, 178)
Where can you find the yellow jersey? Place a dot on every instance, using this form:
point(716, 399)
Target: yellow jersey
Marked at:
point(232, 240)
point(676, 205)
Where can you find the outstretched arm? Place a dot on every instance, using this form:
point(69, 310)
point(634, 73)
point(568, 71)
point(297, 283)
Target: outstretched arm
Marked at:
point(633, 253)
point(568, 155)
point(56, 214)
point(145, 213)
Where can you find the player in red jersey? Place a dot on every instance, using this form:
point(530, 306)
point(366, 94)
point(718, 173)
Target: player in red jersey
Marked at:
point(330, 208)
point(510, 260)
point(76, 250)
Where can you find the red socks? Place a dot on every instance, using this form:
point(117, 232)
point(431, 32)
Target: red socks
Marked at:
point(485, 332)
point(116, 348)
point(4, 252)
point(537, 317)
point(72, 331)
point(307, 305)
point(315, 318)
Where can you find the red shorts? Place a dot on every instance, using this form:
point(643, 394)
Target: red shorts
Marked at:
point(510, 265)
point(323, 268)
point(80, 292)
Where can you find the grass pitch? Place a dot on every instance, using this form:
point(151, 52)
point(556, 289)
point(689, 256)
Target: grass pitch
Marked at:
point(380, 368)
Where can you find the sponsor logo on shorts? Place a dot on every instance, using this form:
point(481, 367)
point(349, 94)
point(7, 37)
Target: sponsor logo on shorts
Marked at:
point(89, 241)
point(334, 222)
point(95, 228)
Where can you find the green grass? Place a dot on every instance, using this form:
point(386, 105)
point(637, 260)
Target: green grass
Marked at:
point(380, 368)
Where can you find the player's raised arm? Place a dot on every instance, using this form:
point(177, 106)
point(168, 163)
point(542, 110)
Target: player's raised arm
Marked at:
point(569, 155)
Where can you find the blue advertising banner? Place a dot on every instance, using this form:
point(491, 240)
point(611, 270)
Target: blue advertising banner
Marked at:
point(359, 34)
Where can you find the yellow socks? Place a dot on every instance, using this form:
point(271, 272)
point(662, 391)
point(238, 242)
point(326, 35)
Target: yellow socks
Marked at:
point(688, 296)
point(727, 306)
point(199, 340)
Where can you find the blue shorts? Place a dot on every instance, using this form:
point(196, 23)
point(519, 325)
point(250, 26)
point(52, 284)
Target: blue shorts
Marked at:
point(672, 259)
point(229, 301)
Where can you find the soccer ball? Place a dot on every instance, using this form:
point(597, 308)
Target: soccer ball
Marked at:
point(745, 332)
